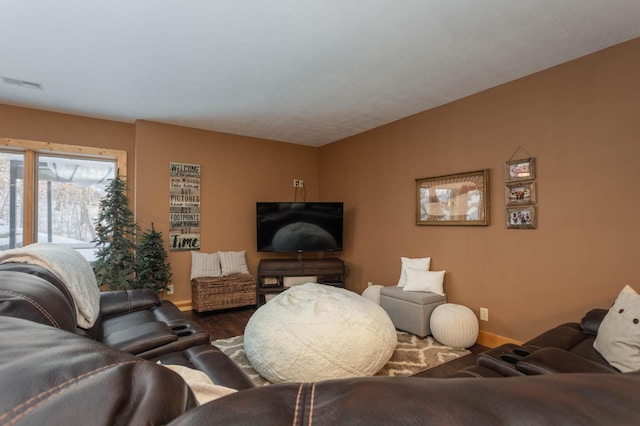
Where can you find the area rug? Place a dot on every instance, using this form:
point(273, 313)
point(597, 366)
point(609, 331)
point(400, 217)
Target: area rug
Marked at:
point(410, 357)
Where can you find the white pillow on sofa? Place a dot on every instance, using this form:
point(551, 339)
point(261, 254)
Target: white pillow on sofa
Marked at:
point(429, 281)
point(423, 263)
point(618, 339)
point(233, 262)
point(205, 265)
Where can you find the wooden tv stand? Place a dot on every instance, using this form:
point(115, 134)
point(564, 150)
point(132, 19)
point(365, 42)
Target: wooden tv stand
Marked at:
point(271, 272)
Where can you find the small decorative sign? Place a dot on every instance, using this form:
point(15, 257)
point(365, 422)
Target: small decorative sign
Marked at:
point(184, 206)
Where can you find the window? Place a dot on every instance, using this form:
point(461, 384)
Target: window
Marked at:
point(52, 194)
point(11, 199)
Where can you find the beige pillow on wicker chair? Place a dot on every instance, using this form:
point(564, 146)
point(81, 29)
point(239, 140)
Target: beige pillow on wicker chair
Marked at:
point(233, 262)
point(205, 265)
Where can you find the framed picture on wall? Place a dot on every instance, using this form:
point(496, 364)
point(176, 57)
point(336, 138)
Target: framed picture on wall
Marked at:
point(520, 170)
point(523, 217)
point(520, 193)
point(459, 199)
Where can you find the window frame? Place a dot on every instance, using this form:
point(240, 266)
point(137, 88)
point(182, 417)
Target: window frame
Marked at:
point(31, 149)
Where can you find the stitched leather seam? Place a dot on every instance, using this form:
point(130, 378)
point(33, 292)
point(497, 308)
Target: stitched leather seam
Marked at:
point(36, 400)
point(547, 371)
point(295, 412)
point(35, 305)
point(313, 397)
point(202, 353)
point(129, 299)
point(471, 373)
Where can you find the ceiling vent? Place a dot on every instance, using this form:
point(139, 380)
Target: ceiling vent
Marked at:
point(22, 83)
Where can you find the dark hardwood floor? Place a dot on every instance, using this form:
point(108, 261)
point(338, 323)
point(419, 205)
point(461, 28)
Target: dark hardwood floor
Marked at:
point(223, 324)
point(230, 323)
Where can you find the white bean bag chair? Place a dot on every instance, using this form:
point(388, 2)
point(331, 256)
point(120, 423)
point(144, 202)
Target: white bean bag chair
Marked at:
point(316, 332)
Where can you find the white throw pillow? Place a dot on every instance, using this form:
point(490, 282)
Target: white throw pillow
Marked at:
point(233, 262)
point(205, 265)
point(423, 263)
point(430, 281)
point(618, 339)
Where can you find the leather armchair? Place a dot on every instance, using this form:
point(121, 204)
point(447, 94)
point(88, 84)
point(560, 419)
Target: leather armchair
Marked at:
point(135, 321)
point(555, 361)
point(138, 322)
point(567, 348)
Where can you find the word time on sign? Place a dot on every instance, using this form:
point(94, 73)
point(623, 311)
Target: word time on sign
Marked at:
point(179, 241)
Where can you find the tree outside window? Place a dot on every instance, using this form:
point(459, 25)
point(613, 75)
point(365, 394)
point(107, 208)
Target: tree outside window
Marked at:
point(65, 202)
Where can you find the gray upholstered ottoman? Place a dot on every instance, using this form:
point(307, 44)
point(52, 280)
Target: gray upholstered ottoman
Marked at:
point(410, 311)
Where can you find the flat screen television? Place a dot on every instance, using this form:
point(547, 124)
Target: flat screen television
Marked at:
point(291, 227)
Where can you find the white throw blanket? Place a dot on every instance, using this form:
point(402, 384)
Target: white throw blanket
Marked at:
point(201, 385)
point(71, 268)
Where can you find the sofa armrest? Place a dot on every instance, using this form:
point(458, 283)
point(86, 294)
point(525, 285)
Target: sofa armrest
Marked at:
point(141, 338)
point(213, 362)
point(123, 301)
point(554, 360)
point(591, 321)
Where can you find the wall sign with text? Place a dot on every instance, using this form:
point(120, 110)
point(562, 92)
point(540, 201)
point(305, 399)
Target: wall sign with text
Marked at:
point(184, 206)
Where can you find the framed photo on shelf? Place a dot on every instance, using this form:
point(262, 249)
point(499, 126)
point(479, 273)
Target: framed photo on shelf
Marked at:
point(522, 217)
point(520, 193)
point(459, 199)
point(520, 170)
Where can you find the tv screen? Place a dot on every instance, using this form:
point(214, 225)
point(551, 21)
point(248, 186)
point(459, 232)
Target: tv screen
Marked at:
point(299, 227)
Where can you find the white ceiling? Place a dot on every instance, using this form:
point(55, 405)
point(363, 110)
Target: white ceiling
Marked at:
point(300, 71)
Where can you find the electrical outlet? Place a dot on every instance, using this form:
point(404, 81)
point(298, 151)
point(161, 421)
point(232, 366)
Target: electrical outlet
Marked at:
point(484, 314)
point(298, 183)
point(170, 289)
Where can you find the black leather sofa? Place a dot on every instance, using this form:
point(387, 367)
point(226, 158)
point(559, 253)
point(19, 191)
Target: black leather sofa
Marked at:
point(567, 348)
point(53, 373)
point(135, 321)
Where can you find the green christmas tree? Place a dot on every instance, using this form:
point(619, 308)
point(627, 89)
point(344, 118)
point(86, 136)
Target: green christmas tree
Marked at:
point(115, 239)
point(151, 269)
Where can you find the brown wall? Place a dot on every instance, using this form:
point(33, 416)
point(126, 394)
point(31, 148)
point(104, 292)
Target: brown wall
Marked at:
point(236, 172)
point(580, 120)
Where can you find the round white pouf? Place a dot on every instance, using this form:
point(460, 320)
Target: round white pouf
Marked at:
point(454, 325)
point(373, 293)
point(316, 332)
